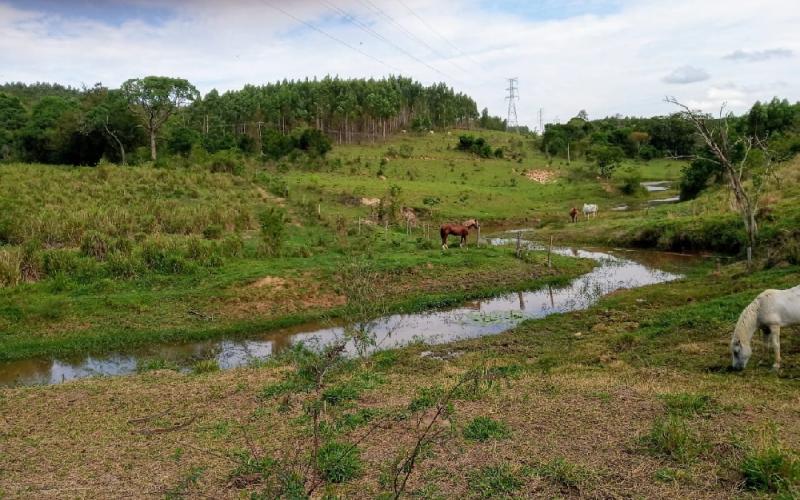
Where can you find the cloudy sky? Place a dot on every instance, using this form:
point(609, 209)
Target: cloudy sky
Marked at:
point(604, 56)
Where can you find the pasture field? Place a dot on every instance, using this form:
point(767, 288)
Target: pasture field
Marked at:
point(630, 398)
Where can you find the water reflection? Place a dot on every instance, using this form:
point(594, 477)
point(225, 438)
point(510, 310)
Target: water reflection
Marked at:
point(617, 270)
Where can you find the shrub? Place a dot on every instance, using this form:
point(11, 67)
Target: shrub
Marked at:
point(475, 145)
point(485, 428)
point(96, 245)
point(339, 462)
point(494, 482)
point(226, 161)
point(232, 246)
point(205, 253)
point(630, 179)
point(312, 141)
point(213, 232)
point(123, 266)
point(273, 227)
point(162, 256)
point(59, 261)
point(340, 393)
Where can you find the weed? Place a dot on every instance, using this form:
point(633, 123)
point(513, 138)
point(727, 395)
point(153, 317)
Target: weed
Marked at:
point(485, 428)
point(147, 365)
point(672, 437)
point(205, 366)
point(564, 473)
point(772, 469)
point(494, 482)
point(687, 405)
point(339, 462)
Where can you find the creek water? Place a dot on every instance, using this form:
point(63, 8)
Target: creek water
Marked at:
point(615, 270)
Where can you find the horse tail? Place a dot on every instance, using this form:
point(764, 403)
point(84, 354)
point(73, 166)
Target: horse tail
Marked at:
point(748, 321)
point(442, 232)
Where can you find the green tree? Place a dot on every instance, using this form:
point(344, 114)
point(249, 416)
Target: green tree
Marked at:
point(12, 119)
point(607, 158)
point(155, 99)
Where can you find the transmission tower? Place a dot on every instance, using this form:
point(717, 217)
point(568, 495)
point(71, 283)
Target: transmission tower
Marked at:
point(513, 97)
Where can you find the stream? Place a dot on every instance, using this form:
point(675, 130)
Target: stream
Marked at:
point(616, 269)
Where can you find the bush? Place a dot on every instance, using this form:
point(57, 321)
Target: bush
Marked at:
point(163, 256)
point(485, 428)
point(273, 227)
point(630, 181)
point(312, 141)
point(205, 253)
point(339, 462)
point(226, 161)
point(213, 232)
point(474, 145)
point(696, 177)
point(123, 266)
point(232, 246)
point(96, 245)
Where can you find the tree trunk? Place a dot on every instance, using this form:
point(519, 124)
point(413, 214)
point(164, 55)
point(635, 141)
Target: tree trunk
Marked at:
point(119, 143)
point(153, 145)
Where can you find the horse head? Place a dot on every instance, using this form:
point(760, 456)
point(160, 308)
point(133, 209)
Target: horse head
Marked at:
point(472, 223)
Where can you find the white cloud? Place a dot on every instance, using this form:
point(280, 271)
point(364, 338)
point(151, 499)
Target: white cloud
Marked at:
point(686, 74)
point(759, 55)
point(607, 64)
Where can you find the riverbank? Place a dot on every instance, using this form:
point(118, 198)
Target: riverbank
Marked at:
point(628, 398)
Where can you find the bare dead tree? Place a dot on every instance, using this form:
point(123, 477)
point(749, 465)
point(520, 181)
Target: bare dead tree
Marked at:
point(716, 135)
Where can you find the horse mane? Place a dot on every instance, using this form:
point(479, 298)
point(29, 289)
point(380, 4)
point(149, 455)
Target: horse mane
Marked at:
point(748, 322)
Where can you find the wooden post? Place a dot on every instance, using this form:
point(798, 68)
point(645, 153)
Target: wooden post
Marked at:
point(549, 252)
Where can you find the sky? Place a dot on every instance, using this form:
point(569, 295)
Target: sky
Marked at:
point(604, 56)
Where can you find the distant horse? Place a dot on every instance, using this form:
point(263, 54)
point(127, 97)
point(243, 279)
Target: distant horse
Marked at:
point(458, 229)
point(573, 214)
point(589, 209)
point(771, 310)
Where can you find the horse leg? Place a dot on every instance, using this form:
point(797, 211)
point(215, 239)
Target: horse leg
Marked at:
point(463, 241)
point(775, 340)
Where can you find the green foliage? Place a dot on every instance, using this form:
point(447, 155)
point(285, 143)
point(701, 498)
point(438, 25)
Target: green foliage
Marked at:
point(475, 145)
point(697, 176)
point(485, 428)
point(607, 158)
point(687, 405)
point(339, 462)
point(672, 437)
point(152, 364)
point(494, 482)
point(630, 179)
point(773, 469)
point(205, 366)
point(563, 473)
point(227, 161)
point(273, 222)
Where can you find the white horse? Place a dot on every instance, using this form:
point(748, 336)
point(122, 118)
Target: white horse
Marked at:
point(771, 310)
point(589, 209)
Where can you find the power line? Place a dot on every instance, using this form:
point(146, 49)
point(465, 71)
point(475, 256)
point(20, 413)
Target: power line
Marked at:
point(336, 39)
point(437, 33)
point(363, 27)
point(513, 96)
point(408, 33)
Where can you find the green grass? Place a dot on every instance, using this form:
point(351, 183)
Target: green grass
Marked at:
point(687, 405)
point(339, 462)
point(564, 473)
point(672, 437)
point(498, 481)
point(484, 429)
point(773, 470)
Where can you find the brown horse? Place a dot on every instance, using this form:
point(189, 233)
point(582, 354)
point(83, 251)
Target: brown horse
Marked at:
point(458, 229)
point(573, 214)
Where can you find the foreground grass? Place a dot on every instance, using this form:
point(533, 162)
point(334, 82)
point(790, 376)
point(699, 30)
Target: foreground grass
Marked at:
point(628, 399)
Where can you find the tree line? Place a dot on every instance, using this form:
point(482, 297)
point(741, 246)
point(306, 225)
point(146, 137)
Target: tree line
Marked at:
point(50, 123)
point(608, 140)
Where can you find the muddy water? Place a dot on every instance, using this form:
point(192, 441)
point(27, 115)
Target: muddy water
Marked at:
point(616, 269)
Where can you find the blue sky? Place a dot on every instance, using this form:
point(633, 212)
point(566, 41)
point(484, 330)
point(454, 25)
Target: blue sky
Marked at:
point(604, 56)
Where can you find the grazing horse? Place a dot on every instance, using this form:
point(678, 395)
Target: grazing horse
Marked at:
point(458, 229)
point(573, 214)
point(589, 209)
point(771, 310)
